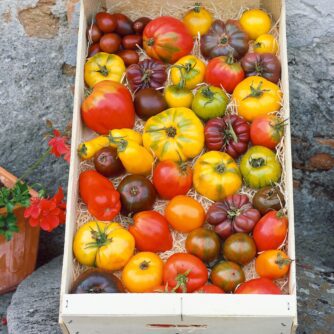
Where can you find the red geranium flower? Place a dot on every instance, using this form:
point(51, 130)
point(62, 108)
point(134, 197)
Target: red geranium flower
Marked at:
point(59, 146)
point(47, 213)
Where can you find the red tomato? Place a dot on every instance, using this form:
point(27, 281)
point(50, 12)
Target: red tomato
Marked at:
point(171, 178)
point(185, 272)
point(270, 231)
point(106, 22)
point(209, 288)
point(224, 71)
point(260, 286)
point(151, 232)
point(167, 38)
point(162, 289)
point(108, 107)
point(267, 131)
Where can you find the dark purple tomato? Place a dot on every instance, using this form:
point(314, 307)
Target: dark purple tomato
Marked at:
point(130, 42)
point(137, 194)
point(149, 102)
point(94, 49)
point(129, 57)
point(110, 43)
point(107, 162)
point(267, 199)
point(106, 22)
point(139, 25)
point(97, 281)
point(227, 275)
point(124, 24)
point(94, 33)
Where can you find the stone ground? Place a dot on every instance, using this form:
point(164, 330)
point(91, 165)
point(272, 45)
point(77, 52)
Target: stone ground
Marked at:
point(37, 72)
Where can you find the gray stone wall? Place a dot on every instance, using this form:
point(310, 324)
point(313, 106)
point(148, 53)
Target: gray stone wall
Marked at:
point(37, 59)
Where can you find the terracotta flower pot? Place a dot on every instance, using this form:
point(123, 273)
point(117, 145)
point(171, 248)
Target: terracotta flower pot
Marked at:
point(17, 256)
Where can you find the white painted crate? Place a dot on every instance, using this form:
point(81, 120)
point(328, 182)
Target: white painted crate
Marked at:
point(173, 313)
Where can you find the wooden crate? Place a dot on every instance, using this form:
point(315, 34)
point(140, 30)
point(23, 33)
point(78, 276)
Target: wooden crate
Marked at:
point(173, 313)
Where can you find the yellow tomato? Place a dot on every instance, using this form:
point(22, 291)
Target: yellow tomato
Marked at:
point(266, 44)
point(188, 70)
point(216, 175)
point(143, 272)
point(255, 22)
point(198, 20)
point(105, 245)
point(103, 66)
point(178, 97)
point(127, 134)
point(135, 158)
point(256, 96)
point(174, 134)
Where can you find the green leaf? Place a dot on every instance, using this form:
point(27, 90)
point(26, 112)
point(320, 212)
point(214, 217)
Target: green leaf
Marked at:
point(9, 207)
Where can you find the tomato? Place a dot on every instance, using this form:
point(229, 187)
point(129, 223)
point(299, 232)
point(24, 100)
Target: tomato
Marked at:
point(129, 57)
point(94, 33)
point(99, 194)
point(174, 134)
point(103, 66)
point(162, 289)
point(137, 194)
point(149, 102)
point(124, 25)
point(151, 232)
point(265, 65)
point(271, 230)
point(229, 134)
point(203, 243)
point(224, 39)
point(108, 107)
point(178, 97)
point(267, 199)
point(104, 245)
point(167, 38)
point(267, 131)
point(135, 158)
point(94, 49)
point(97, 281)
point(184, 213)
point(143, 272)
point(172, 178)
point(131, 42)
point(239, 248)
point(234, 214)
point(260, 167)
point(105, 22)
point(107, 163)
point(110, 43)
point(188, 71)
point(224, 72)
point(259, 286)
point(209, 102)
point(185, 272)
point(266, 43)
point(209, 288)
point(227, 275)
point(256, 96)
point(272, 264)
point(216, 175)
point(198, 20)
point(255, 22)
point(139, 25)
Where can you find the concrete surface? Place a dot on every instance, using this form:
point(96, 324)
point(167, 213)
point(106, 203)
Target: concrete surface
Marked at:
point(37, 58)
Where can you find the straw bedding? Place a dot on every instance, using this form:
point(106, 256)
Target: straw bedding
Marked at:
point(231, 10)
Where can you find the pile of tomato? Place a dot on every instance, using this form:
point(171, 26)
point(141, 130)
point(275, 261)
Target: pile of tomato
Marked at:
point(210, 125)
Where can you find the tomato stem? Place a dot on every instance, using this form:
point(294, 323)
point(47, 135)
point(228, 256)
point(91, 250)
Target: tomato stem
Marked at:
point(103, 70)
point(220, 168)
point(197, 7)
point(100, 237)
point(182, 280)
point(257, 162)
point(150, 42)
point(281, 262)
point(144, 265)
point(256, 92)
point(230, 59)
point(208, 93)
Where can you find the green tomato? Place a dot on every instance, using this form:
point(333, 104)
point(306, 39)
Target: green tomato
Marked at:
point(259, 167)
point(210, 102)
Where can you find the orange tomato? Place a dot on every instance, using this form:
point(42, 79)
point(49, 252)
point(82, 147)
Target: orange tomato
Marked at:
point(272, 264)
point(184, 213)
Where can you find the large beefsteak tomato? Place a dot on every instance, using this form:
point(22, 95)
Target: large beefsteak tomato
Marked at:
point(168, 39)
point(108, 107)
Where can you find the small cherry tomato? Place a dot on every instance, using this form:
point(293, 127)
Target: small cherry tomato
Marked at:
point(260, 286)
point(172, 178)
point(203, 243)
point(139, 25)
point(227, 275)
point(209, 288)
point(129, 57)
point(266, 43)
point(94, 33)
point(105, 22)
point(184, 214)
point(185, 272)
point(124, 25)
point(270, 231)
point(107, 163)
point(94, 49)
point(110, 43)
point(272, 264)
point(131, 42)
point(255, 22)
point(239, 248)
point(143, 272)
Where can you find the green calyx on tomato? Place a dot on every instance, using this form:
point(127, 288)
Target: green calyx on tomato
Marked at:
point(281, 261)
point(256, 91)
